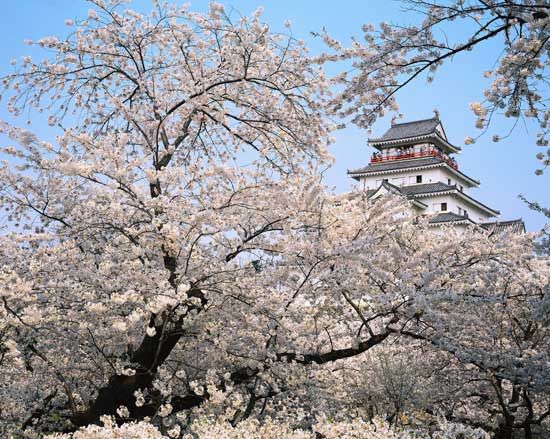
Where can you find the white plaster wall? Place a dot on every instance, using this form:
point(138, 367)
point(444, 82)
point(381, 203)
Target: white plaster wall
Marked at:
point(454, 179)
point(453, 205)
point(408, 178)
point(434, 203)
point(434, 175)
point(403, 178)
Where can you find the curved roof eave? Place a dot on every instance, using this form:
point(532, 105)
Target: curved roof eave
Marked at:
point(357, 175)
point(404, 140)
point(462, 195)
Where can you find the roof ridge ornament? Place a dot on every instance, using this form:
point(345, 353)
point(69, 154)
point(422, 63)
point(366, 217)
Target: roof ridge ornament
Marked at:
point(436, 113)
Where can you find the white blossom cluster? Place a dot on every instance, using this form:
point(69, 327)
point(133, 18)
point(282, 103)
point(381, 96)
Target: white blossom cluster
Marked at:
point(252, 429)
point(173, 261)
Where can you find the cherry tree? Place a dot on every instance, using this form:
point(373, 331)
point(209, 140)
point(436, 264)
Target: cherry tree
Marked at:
point(393, 56)
point(174, 258)
point(495, 331)
point(186, 140)
point(156, 251)
point(474, 337)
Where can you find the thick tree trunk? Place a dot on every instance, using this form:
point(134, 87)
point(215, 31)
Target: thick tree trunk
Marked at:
point(120, 389)
point(504, 431)
point(151, 353)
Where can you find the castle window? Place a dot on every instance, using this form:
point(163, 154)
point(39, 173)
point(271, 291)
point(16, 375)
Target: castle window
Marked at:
point(443, 207)
point(419, 179)
point(449, 181)
point(461, 188)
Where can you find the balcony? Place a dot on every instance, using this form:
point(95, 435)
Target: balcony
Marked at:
point(377, 158)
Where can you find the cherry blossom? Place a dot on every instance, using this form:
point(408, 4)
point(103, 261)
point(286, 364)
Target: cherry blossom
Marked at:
point(172, 264)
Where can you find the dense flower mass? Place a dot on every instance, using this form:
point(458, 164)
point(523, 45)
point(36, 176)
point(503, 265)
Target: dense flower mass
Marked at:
point(172, 265)
point(251, 429)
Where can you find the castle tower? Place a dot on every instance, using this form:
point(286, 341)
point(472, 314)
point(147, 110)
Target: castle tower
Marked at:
point(415, 159)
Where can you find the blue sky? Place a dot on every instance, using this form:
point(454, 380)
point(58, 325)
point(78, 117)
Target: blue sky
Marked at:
point(505, 169)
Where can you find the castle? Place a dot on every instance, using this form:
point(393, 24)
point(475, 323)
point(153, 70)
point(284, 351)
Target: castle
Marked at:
point(415, 160)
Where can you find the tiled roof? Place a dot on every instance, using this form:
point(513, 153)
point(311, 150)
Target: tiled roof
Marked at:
point(418, 190)
point(422, 189)
point(494, 212)
point(409, 129)
point(515, 226)
point(447, 217)
point(427, 188)
point(413, 132)
point(398, 164)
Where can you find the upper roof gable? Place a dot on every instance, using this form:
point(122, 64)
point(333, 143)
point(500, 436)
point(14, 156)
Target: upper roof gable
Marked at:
point(414, 128)
point(441, 131)
point(411, 132)
point(427, 190)
point(383, 189)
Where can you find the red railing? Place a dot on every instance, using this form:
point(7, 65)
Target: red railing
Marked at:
point(413, 155)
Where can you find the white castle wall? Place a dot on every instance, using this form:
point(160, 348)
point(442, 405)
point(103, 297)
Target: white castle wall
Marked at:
point(443, 175)
point(408, 178)
point(455, 205)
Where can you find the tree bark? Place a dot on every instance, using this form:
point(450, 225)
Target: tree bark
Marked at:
point(119, 390)
point(153, 351)
point(504, 431)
